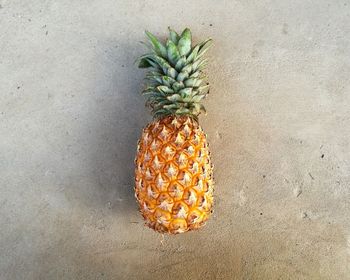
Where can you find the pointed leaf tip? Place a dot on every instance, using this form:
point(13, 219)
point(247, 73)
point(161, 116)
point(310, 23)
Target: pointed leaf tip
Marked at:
point(174, 37)
point(158, 47)
point(184, 44)
point(172, 51)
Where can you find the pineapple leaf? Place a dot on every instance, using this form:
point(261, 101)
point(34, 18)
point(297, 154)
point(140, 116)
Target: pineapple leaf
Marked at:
point(174, 37)
point(154, 73)
point(167, 81)
point(162, 103)
point(178, 85)
point(193, 54)
point(198, 64)
point(171, 72)
point(161, 113)
point(187, 68)
point(172, 51)
point(202, 65)
point(182, 111)
point(193, 82)
point(187, 99)
point(203, 89)
point(182, 76)
point(165, 89)
point(185, 92)
point(184, 44)
point(197, 98)
point(197, 82)
point(180, 63)
point(204, 46)
point(163, 64)
point(156, 79)
point(174, 97)
point(196, 109)
point(143, 63)
point(149, 88)
point(158, 47)
point(152, 96)
point(195, 74)
point(170, 106)
point(199, 108)
point(153, 64)
point(175, 84)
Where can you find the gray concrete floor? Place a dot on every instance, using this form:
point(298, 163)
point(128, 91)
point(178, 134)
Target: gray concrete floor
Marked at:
point(278, 123)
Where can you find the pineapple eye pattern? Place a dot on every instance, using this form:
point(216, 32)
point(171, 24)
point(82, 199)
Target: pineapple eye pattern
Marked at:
point(176, 187)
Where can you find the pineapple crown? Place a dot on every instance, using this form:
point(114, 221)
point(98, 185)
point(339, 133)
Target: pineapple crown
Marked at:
point(175, 83)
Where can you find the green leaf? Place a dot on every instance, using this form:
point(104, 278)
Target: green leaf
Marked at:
point(149, 88)
point(171, 72)
point(197, 82)
point(182, 111)
point(156, 79)
point(145, 58)
point(162, 63)
point(185, 92)
point(153, 100)
point(193, 54)
point(187, 99)
point(199, 64)
point(195, 74)
point(180, 63)
point(150, 76)
point(161, 112)
point(164, 81)
point(165, 89)
point(153, 95)
point(174, 37)
point(178, 85)
point(174, 97)
point(155, 73)
point(195, 64)
point(143, 63)
point(168, 81)
point(203, 89)
point(171, 106)
point(198, 98)
point(187, 68)
point(202, 66)
point(172, 51)
point(184, 44)
point(158, 47)
point(162, 103)
point(150, 93)
point(182, 76)
point(154, 64)
point(193, 82)
point(204, 47)
point(196, 109)
point(189, 82)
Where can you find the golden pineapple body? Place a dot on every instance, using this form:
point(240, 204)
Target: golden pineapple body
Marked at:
point(174, 185)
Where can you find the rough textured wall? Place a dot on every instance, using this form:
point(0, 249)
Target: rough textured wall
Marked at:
point(278, 123)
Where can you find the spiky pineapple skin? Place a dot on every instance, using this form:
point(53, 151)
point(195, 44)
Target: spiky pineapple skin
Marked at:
point(173, 175)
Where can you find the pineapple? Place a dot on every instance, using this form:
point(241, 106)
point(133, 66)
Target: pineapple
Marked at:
point(173, 174)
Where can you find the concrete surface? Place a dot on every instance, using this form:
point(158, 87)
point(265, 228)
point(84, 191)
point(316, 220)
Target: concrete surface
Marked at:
point(278, 123)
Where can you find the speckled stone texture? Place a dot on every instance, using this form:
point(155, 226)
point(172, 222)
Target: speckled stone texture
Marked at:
point(278, 123)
